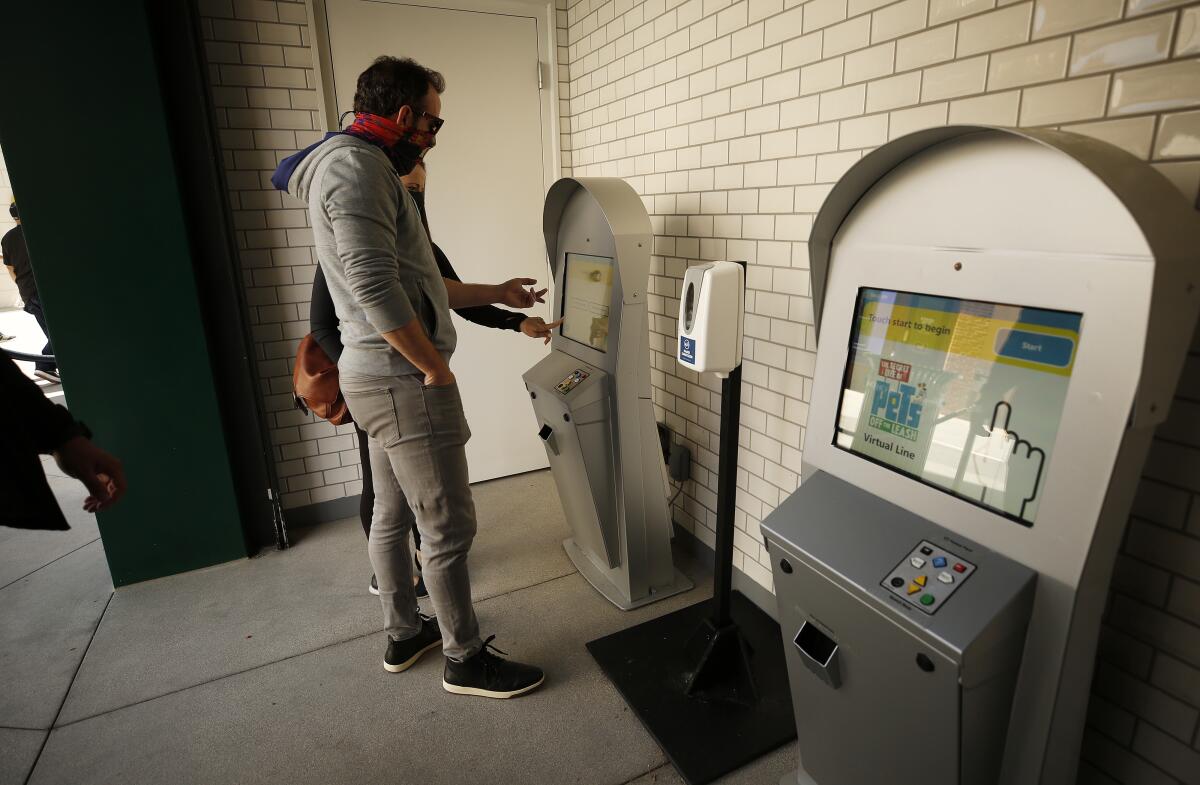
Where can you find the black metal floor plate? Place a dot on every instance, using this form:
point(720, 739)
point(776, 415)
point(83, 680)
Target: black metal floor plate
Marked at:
point(704, 739)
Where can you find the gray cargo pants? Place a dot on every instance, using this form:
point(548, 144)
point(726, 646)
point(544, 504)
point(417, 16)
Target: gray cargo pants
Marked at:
point(417, 436)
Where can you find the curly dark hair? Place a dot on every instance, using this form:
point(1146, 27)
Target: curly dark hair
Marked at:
point(392, 82)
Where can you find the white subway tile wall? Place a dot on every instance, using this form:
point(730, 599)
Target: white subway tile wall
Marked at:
point(801, 92)
point(260, 65)
point(733, 120)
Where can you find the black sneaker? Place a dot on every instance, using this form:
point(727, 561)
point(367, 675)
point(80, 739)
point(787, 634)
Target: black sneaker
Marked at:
point(402, 655)
point(488, 676)
point(374, 587)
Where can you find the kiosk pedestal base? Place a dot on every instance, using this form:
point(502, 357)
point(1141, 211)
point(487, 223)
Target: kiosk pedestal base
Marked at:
point(594, 576)
point(704, 736)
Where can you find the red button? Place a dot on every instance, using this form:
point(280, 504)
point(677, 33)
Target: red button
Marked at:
point(960, 567)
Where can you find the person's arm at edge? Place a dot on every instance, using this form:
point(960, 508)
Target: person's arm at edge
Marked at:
point(48, 428)
point(473, 295)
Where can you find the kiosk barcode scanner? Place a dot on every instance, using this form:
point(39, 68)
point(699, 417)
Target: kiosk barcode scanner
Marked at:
point(1003, 319)
point(708, 681)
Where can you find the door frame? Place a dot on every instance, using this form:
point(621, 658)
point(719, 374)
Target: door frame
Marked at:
point(544, 15)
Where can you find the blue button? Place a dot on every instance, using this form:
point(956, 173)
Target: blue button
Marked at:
point(939, 561)
point(1053, 350)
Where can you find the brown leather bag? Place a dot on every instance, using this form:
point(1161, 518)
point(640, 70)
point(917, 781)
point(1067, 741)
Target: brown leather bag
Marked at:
point(315, 381)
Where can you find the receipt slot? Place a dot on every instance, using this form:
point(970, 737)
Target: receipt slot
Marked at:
point(591, 394)
point(1003, 318)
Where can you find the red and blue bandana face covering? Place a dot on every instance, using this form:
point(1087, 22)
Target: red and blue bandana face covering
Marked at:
point(403, 146)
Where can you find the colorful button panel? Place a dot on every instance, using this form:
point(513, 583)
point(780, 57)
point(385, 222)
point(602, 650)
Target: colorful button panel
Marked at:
point(927, 576)
point(572, 381)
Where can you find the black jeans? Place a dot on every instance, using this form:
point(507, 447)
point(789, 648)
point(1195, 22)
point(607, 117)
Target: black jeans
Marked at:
point(34, 306)
point(366, 502)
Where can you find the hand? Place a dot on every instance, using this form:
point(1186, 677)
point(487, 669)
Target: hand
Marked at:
point(101, 473)
point(514, 294)
point(536, 327)
point(441, 377)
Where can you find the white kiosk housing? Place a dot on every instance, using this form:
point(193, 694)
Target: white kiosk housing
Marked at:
point(592, 397)
point(1003, 319)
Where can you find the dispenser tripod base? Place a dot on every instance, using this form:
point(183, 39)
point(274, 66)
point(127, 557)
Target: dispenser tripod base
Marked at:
point(609, 590)
point(704, 734)
point(721, 669)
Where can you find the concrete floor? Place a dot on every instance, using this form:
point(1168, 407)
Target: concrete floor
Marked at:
point(269, 669)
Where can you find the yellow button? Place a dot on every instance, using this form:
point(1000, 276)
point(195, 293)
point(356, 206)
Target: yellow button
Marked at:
point(919, 580)
point(913, 588)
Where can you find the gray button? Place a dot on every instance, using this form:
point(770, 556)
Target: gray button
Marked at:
point(917, 562)
point(945, 577)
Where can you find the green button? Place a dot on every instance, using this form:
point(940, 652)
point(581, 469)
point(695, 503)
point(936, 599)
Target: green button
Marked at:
point(927, 599)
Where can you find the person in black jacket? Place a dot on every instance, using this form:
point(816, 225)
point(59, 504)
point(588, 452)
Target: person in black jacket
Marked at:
point(323, 324)
point(35, 425)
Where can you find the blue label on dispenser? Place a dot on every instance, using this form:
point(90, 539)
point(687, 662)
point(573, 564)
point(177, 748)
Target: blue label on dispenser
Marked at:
point(687, 349)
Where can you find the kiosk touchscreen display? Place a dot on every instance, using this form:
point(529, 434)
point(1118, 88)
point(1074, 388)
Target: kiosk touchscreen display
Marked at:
point(962, 395)
point(587, 299)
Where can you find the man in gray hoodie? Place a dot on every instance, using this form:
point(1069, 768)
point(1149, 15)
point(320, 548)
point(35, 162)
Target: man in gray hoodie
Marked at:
point(394, 309)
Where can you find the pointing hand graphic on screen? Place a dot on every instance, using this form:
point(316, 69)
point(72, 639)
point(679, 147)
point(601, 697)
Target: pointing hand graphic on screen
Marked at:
point(1024, 466)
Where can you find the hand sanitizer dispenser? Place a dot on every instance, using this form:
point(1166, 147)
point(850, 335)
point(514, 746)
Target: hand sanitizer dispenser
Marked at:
point(710, 317)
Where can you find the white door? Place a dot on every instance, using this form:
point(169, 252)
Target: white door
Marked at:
point(485, 190)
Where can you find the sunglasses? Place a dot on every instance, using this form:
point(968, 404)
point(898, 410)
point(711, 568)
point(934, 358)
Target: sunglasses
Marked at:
point(435, 122)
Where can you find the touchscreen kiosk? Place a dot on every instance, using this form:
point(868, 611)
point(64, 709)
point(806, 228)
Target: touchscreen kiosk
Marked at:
point(1003, 316)
point(586, 298)
point(962, 395)
point(591, 394)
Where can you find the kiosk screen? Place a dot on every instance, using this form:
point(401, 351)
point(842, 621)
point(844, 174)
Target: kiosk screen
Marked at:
point(959, 394)
point(587, 299)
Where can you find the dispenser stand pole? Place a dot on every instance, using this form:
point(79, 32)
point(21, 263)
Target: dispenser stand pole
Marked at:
point(731, 407)
point(718, 648)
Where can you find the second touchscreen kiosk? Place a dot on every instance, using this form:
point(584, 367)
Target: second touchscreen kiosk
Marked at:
point(1003, 318)
point(591, 394)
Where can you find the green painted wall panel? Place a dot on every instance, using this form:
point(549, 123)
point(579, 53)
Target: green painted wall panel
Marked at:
point(86, 143)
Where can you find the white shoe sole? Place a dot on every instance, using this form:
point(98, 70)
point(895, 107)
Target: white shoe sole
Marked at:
point(481, 693)
point(403, 666)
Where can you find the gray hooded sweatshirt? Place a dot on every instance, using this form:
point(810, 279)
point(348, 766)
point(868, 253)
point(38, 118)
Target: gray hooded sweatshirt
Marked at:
point(375, 254)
